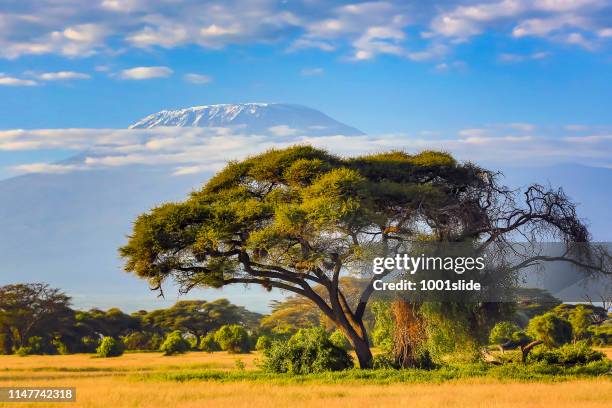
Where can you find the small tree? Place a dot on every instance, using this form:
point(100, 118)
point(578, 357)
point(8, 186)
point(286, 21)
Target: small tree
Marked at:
point(507, 335)
point(548, 329)
point(175, 344)
point(208, 343)
point(109, 347)
point(233, 338)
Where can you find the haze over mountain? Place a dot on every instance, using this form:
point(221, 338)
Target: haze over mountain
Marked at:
point(65, 229)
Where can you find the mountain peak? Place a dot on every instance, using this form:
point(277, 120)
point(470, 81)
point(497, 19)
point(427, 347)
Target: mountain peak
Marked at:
point(277, 118)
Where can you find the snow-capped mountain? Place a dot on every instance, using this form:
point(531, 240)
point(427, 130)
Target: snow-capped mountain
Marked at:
point(277, 119)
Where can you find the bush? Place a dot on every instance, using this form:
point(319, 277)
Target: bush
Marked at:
point(233, 338)
point(340, 340)
point(550, 329)
point(208, 343)
point(109, 347)
point(175, 344)
point(567, 355)
point(263, 343)
point(601, 335)
point(307, 351)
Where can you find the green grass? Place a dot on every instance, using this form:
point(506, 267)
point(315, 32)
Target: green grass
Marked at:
point(510, 372)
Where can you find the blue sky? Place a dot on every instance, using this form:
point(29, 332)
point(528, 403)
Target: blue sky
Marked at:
point(410, 67)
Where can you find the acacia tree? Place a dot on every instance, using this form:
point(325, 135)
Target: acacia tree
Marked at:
point(299, 217)
point(32, 309)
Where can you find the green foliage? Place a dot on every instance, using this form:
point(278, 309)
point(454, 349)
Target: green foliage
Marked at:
point(580, 319)
point(382, 334)
point(307, 351)
point(208, 343)
point(109, 347)
point(567, 355)
point(601, 335)
point(508, 372)
point(31, 316)
point(174, 344)
point(339, 339)
point(137, 341)
point(263, 343)
point(449, 335)
point(508, 334)
point(550, 329)
point(233, 338)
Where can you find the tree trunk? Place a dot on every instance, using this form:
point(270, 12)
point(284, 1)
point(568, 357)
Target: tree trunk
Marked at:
point(526, 349)
point(362, 350)
point(408, 333)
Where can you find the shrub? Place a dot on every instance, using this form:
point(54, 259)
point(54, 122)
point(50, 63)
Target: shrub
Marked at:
point(109, 347)
point(263, 343)
point(307, 351)
point(208, 343)
point(601, 335)
point(568, 355)
point(550, 329)
point(174, 344)
point(340, 340)
point(233, 338)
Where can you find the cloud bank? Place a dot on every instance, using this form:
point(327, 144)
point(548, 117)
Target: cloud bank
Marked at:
point(193, 150)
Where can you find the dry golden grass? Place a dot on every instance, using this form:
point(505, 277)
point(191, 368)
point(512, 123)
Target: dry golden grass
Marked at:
point(110, 383)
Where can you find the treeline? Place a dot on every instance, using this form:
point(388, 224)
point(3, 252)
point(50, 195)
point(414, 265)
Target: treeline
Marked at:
point(38, 319)
point(297, 338)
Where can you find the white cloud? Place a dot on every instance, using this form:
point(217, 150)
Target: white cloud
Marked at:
point(359, 30)
point(199, 79)
point(12, 81)
point(507, 57)
point(605, 32)
point(312, 71)
point(194, 150)
point(282, 130)
point(140, 73)
point(62, 75)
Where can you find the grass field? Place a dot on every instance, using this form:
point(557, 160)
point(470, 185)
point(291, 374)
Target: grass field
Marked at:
point(211, 380)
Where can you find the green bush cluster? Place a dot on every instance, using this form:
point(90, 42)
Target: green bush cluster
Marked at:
point(208, 343)
point(233, 338)
point(175, 344)
point(110, 347)
point(566, 355)
point(307, 351)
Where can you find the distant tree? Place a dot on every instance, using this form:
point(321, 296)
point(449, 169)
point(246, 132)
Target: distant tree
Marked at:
point(299, 217)
point(110, 347)
point(33, 310)
point(199, 317)
point(507, 335)
point(209, 344)
point(233, 338)
point(175, 343)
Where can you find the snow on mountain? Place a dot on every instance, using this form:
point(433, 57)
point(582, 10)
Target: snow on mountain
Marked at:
point(276, 119)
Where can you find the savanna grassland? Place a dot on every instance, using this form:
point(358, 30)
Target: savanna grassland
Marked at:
point(219, 379)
